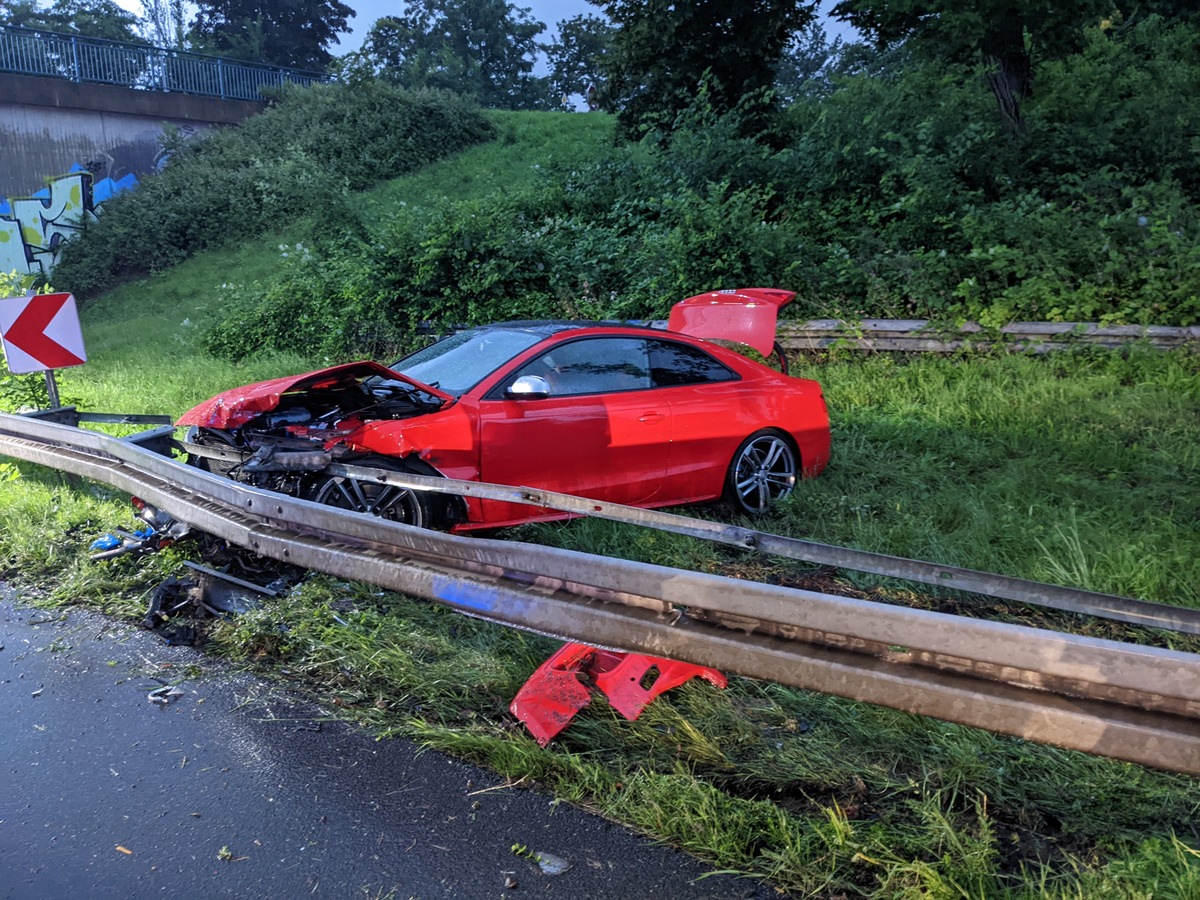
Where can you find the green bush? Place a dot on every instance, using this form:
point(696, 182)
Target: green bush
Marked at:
point(910, 199)
point(899, 194)
point(299, 158)
point(524, 256)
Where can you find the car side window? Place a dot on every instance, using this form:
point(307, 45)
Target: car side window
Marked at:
point(593, 366)
point(674, 364)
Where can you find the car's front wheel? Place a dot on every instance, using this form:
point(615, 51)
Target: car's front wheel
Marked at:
point(376, 498)
point(763, 470)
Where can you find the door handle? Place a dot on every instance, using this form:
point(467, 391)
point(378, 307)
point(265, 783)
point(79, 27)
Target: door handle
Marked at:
point(651, 417)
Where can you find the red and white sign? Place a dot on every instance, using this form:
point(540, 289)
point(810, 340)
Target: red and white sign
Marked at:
point(41, 332)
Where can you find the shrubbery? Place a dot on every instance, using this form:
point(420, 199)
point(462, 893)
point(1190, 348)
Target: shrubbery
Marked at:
point(913, 200)
point(300, 156)
point(900, 193)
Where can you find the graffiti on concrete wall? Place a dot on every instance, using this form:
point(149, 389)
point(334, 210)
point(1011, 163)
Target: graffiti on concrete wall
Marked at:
point(33, 229)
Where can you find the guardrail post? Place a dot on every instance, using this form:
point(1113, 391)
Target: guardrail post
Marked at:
point(75, 60)
point(221, 78)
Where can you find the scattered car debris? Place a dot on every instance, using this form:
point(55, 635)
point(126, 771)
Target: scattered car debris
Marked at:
point(164, 695)
point(211, 590)
point(549, 863)
point(559, 688)
point(159, 532)
point(207, 593)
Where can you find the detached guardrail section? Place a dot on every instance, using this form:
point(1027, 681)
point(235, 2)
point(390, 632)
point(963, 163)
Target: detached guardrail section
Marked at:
point(140, 66)
point(1129, 702)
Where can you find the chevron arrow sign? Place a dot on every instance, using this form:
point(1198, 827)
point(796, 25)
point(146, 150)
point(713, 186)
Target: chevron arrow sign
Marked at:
point(41, 332)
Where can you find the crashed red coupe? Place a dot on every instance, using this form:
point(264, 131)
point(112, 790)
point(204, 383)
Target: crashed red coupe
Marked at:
point(614, 412)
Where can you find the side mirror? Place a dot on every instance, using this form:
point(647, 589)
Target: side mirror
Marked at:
point(528, 387)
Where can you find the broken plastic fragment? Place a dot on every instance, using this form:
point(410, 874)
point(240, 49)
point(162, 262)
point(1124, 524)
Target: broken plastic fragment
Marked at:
point(164, 695)
point(552, 696)
point(551, 864)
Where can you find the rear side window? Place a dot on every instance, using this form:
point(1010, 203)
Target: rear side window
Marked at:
point(674, 364)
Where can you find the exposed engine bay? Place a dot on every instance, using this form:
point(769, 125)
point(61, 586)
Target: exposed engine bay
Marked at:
point(304, 428)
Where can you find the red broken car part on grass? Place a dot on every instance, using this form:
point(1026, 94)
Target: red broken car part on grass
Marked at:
point(553, 694)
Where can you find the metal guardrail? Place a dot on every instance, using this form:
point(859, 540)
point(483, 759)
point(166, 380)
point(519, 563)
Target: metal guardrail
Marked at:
point(1003, 587)
point(923, 336)
point(140, 66)
point(1130, 702)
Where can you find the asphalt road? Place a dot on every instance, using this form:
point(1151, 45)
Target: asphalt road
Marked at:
point(237, 788)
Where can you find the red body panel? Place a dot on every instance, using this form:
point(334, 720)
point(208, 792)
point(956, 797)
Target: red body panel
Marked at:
point(747, 316)
point(611, 447)
point(236, 407)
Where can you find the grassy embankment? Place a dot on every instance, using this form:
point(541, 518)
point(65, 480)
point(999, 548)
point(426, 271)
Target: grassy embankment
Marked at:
point(1081, 469)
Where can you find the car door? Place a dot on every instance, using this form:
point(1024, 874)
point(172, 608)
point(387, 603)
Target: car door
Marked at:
point(597, 432)
point(709, 412)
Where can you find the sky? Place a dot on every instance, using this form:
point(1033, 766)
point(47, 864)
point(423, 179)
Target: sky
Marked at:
point(548, 11)
point(367, 11)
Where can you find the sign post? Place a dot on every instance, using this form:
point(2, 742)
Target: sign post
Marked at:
point(41, 333)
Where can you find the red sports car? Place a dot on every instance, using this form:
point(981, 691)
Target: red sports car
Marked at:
point(614, 412)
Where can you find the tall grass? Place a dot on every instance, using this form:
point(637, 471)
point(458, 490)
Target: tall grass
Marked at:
point(1083, 469)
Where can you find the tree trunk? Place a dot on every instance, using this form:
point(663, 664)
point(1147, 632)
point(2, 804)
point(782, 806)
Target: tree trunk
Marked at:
point(1010, 80)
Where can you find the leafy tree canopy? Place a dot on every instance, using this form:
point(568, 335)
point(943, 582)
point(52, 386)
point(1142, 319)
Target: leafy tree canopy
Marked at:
point(480, 48)
point(576, 56)
point(1007, 34)
point(661, 49)
point(807, 61)
point(1012, 36)
point(87, 18)
point(294, 33)
point(164, 22)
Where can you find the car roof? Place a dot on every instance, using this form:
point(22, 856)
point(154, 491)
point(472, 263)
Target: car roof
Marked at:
point(548, 327)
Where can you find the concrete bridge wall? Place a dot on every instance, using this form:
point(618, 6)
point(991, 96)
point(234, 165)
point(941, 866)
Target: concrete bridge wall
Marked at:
point(49, 125)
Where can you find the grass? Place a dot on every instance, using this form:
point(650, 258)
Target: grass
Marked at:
point(1081, 469)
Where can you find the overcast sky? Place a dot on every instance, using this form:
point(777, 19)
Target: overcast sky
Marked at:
point(549, 12)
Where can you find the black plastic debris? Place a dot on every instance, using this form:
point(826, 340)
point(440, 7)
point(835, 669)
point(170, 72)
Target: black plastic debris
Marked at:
point(181, 602)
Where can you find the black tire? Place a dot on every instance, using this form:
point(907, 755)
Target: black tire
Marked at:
point(763, 470)
point(212, 437)
point(376, 498)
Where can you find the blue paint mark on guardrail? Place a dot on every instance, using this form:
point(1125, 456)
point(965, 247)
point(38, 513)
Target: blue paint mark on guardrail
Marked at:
point(465, 595)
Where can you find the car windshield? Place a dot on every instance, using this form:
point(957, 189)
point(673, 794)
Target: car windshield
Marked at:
point(458, 363)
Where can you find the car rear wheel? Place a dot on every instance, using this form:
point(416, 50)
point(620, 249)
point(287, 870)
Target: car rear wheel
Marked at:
point(388, 501)
point(763, 471)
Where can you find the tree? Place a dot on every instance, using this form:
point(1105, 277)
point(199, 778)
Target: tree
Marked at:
point(481, 48)
point(1008, 35)
point(163, 23)
point(85, 18)
point(294, 33)
point(576, 56)
point(661, 49)
point(806, 62)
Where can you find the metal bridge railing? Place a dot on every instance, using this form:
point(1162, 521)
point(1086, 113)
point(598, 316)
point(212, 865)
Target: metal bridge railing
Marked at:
point(140, 66)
